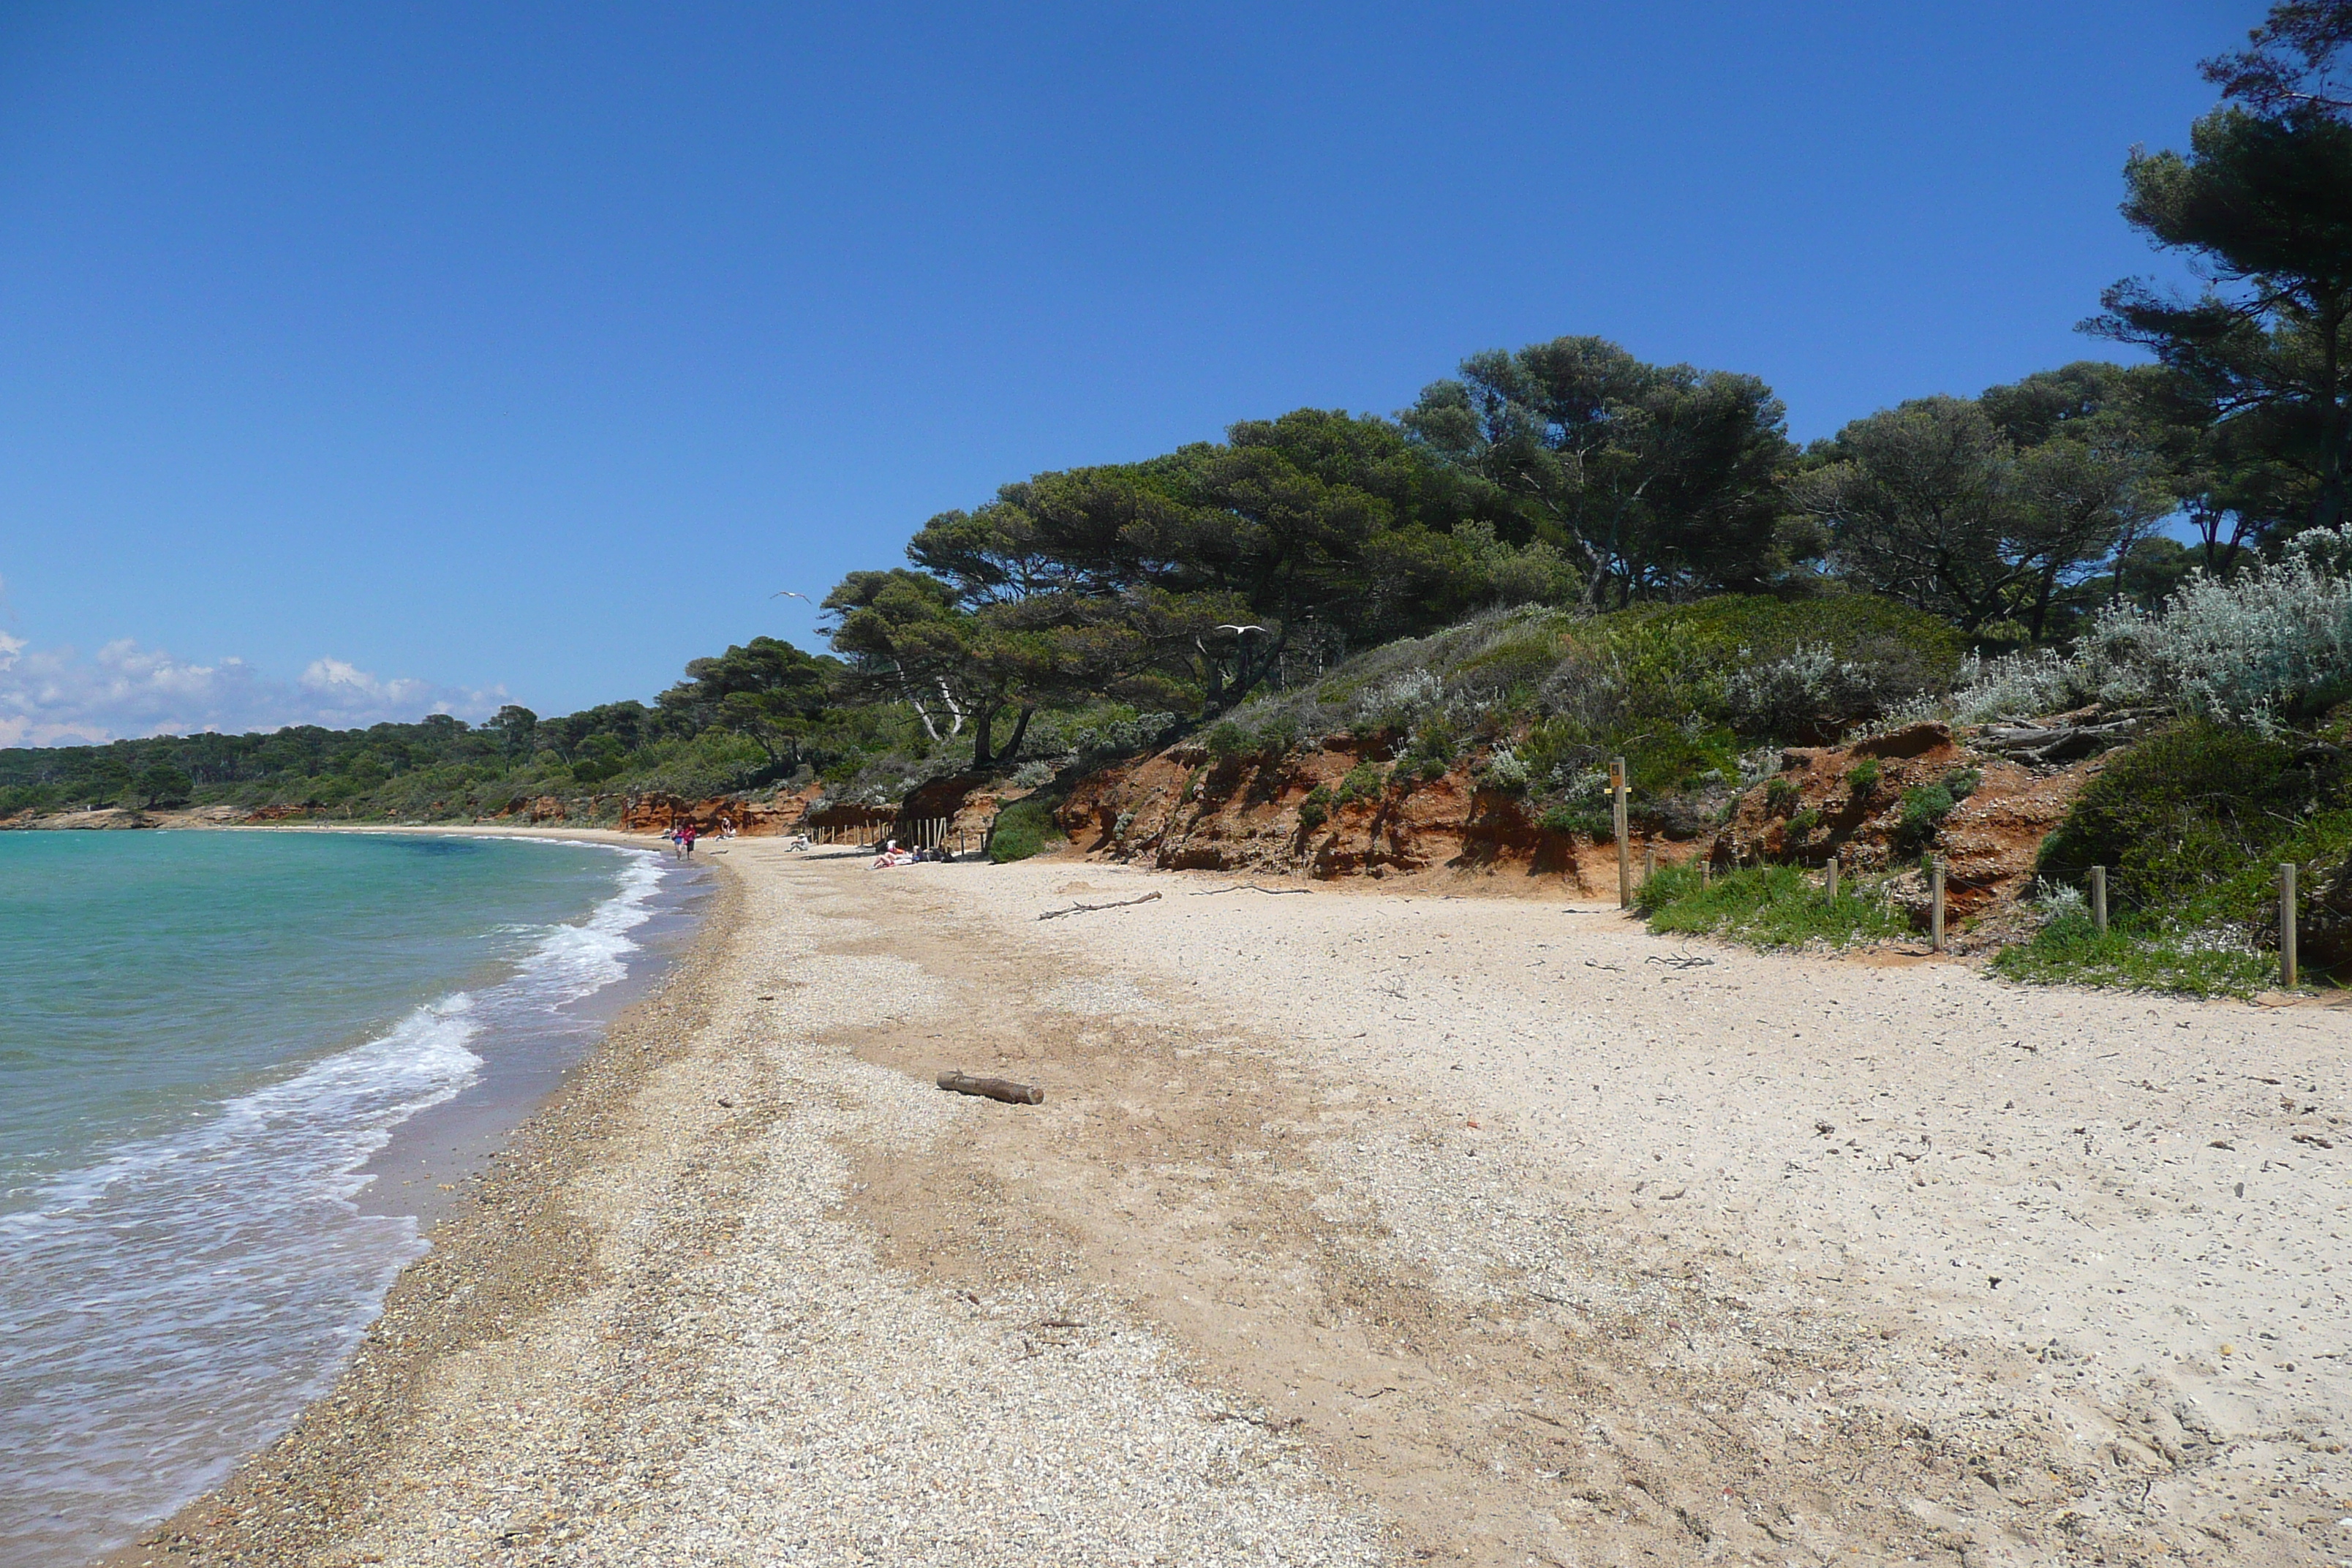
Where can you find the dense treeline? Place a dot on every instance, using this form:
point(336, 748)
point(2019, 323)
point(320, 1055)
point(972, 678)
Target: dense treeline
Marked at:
point(1079, 610)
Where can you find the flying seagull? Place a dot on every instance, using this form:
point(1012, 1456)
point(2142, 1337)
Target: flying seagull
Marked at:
point(1239, 630)
point(788, 594)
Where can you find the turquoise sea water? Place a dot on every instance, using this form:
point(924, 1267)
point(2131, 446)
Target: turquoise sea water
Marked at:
point(204, 1038)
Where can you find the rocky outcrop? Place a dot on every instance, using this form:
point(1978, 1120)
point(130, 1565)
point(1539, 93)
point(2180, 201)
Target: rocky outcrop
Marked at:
point(267, 814)
point(99, 818)
point(1814, 808)
point(784, 814)
point(1183, 809)
point(1335, 810)
point(966, 802)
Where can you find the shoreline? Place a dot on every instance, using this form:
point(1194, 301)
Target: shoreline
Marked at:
point(501, 1248)
point(1481, 1230)
point(415, 1173)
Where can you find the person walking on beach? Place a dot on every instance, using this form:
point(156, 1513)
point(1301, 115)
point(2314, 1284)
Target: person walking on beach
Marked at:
point(688, 838)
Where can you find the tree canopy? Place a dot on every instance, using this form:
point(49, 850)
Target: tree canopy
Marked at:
point(1659, 480)
point(1984, 510)
point(1216, 566)
point(2261, 360)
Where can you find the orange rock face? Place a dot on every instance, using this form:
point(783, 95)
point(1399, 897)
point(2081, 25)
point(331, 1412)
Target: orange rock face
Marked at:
point(1989, 842)
point(752, 819)
point(962, 803)
point(1185, 810)
point(281, 813)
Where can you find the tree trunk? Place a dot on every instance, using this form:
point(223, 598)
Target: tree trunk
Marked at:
point(1213, 678)
point(1247, 675)
point(984, 720)
point(2041, 598)
point(1020, 730)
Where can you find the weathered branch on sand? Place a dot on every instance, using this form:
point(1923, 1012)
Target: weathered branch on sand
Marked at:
point(1247, 888)
point(1000, 1088)
point(1082, 908)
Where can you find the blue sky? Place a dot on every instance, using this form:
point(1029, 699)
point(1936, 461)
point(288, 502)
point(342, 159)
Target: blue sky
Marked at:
point(361, 360)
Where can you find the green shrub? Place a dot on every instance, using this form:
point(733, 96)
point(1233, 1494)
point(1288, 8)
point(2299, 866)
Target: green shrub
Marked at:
point(2136, 955)
point(1278, 734)
point(1023, 829)
point(1564, 818)
point(1766, 906)
point(1862, 780)
point(1666, 759)
point(2249, 895)
point(1688, 655)
point(2185, 811)
point(1801, 826)
point(1434, 742)
point(1365, 781)
point(1227, 739)
point(1316, 809)
point(2272, 641)
point(1780, 794)
point(1924, 806)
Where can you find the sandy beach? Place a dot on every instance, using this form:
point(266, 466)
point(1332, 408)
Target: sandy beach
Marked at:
point(1355, 1227)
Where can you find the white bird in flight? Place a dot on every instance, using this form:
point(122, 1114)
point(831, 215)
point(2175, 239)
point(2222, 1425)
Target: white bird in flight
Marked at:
point(788, 594)
point(1238, 630)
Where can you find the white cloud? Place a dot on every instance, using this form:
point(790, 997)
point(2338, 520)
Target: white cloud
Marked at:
point(55, 697)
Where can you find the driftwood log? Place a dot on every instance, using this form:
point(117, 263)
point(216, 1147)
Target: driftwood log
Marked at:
point(2045, 744)
point(1003, 1089)
point(1089, 909)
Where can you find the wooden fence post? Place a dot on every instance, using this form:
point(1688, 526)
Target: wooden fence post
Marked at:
point(1936, 904)
point(1625, 850)
point(2286, 925)
point(2099, 899)
point(1833, 877)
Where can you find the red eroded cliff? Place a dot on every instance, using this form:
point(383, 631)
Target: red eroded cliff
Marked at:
point(1183, 809)
point(1989, 843)
point(660, 812)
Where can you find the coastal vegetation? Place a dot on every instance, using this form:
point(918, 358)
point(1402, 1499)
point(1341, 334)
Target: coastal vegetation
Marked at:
point(1561, 554)
point(1766, 906)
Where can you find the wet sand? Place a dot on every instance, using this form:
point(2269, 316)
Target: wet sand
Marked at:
point(1355, 1227)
